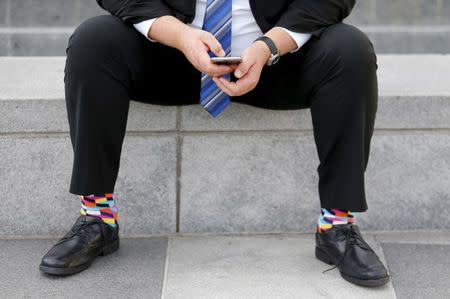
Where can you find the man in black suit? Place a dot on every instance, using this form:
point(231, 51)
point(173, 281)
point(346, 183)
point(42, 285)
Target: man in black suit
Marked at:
point(325, 65)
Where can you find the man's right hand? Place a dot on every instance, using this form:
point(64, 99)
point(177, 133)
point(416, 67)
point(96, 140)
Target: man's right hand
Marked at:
point(194, 43)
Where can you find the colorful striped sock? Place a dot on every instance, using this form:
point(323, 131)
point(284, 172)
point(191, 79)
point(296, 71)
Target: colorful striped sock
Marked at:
point(100, 205)
point(330, 217)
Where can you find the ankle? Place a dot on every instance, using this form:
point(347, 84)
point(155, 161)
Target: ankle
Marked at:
point(101, 206)
point(331, 217)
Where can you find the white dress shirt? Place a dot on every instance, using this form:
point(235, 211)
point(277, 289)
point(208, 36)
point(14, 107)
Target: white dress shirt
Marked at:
point(244, 27)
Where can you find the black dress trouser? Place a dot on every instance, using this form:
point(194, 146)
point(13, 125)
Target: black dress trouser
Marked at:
point(110, 63)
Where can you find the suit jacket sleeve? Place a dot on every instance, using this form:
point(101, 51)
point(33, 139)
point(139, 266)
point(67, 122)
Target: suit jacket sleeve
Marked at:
point(312, 16)
point(135, 11)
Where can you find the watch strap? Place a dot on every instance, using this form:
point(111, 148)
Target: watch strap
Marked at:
point(274, 52)
point(273, 48)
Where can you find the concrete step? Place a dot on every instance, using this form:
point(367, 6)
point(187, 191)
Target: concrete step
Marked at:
point(404, 26)
point(401, 12)
point(56, 13)
point(42, 28)
point(29, 28)
point(165, 181)
point(409, 39)
point(44, 41)
point(47, 13)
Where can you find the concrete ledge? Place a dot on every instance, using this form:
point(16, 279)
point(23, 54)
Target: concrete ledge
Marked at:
point(409, 85)
point(394, 112)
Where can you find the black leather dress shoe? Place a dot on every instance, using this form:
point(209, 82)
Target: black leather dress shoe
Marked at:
point(88, 238)
point(343, 246)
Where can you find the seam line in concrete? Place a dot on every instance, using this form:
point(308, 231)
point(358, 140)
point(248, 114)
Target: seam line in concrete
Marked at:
point(391, 96)
point(178, 170)
point(415, 242)
point(8, 13)
point(8, 22)
point(365, 28)
point(405, 28)
point(9, 50)
point(166, 268)
point(182, 133)
point(433, 29)
point(227, 234)
point(383, 257)
point(373, 10)
point(36, 30)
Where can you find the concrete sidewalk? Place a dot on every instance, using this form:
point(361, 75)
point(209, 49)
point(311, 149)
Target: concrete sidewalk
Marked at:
point(230, 266)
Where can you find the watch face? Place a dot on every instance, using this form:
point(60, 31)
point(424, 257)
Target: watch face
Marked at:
point(273, 59)
point(276, 59)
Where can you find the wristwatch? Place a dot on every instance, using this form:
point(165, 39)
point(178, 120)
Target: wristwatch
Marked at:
point(274, 52)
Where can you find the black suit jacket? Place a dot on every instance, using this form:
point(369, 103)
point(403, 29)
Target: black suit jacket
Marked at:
point(306, 16)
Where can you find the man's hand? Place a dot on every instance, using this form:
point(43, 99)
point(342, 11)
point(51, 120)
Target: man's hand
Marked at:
point(195, 45)
point(248, 71)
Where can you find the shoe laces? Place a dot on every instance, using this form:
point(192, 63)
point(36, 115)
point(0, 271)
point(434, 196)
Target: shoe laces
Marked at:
point(77, 230)
point(351, 238)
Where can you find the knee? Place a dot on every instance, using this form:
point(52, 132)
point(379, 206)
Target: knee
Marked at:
point(94, 37)
point(94, 47)
point(350, 47)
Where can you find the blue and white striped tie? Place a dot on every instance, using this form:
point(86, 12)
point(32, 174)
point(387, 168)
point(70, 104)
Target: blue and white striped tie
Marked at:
point(218, 22)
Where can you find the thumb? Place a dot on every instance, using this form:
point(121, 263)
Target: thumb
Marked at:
point(213, 44)
point(243, 67)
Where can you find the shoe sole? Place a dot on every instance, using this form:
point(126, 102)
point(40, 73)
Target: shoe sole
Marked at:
point(108, 249)
point(322, 256)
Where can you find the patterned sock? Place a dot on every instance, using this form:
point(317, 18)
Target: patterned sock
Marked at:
point(100, 205)
point(330, 217)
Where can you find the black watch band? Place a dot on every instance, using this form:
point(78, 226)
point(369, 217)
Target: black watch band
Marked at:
point(275, 53)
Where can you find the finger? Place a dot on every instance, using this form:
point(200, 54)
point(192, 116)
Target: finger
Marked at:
point(234, 66)
point(243, 85)
point(213, 44)
point(231, 87)
point(217, 71)
point(244, 66)
point(252, 76)
point(230, 69)
point(206, 66)
point(222, 86)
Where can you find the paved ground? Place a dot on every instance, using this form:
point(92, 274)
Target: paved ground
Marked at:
point(243, 266)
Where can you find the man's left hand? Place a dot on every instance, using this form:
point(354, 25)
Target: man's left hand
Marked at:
point(248, 71)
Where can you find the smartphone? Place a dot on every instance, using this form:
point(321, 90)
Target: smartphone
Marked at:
point(226, 60)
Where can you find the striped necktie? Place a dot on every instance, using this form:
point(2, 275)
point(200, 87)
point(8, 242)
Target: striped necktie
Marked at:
point(218, 22)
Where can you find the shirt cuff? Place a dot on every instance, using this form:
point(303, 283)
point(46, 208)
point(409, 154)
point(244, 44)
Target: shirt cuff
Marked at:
point(299, 38)
point(144, 27)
